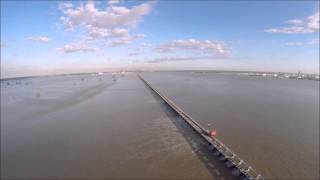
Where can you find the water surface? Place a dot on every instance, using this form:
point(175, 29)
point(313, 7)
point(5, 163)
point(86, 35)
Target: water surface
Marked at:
point(271, 123)
point(89, 127)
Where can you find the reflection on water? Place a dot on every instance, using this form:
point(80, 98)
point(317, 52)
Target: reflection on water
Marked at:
point(93, 127)
point(271, 123)
point(119, 131)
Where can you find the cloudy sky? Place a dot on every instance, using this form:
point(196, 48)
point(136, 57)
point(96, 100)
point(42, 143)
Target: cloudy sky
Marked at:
point(47, 37)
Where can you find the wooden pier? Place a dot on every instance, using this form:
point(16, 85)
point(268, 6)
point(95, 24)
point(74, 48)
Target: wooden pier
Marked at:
point(238, 166)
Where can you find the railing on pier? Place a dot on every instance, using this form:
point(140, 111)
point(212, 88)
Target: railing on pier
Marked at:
point(231, 158)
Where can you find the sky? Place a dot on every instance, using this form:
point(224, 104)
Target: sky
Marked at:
point(53, 37)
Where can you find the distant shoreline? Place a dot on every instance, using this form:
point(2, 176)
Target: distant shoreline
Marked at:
point(196, 71)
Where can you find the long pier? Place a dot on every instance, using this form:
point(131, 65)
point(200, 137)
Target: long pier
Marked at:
point(238, 166)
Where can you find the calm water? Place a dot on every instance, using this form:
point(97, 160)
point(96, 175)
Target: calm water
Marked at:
point(271, 123)
point(65, 127)
point(90, 127)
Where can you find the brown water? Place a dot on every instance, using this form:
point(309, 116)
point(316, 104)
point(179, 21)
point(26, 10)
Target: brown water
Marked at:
point(271, 123)
point(66, 127)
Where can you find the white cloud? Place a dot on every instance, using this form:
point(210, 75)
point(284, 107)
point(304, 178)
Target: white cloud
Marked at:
point(199, 50)
point(96, 33)
point(139, 50)
point(77, 47)
point(119, 42)
point(299, 26)
point(39, 38)
point(295, 22)
point(113, 2)
point(146, 45)
point(311, 42)
point(182, 58)
point(111, 25)
point(139, 36)
point(313, 22)
point(290, 30)
point(294, 43)
point(200, 46)
point(314, 41)
point(134, 53)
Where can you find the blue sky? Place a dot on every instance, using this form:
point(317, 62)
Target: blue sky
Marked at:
point(62, 37)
